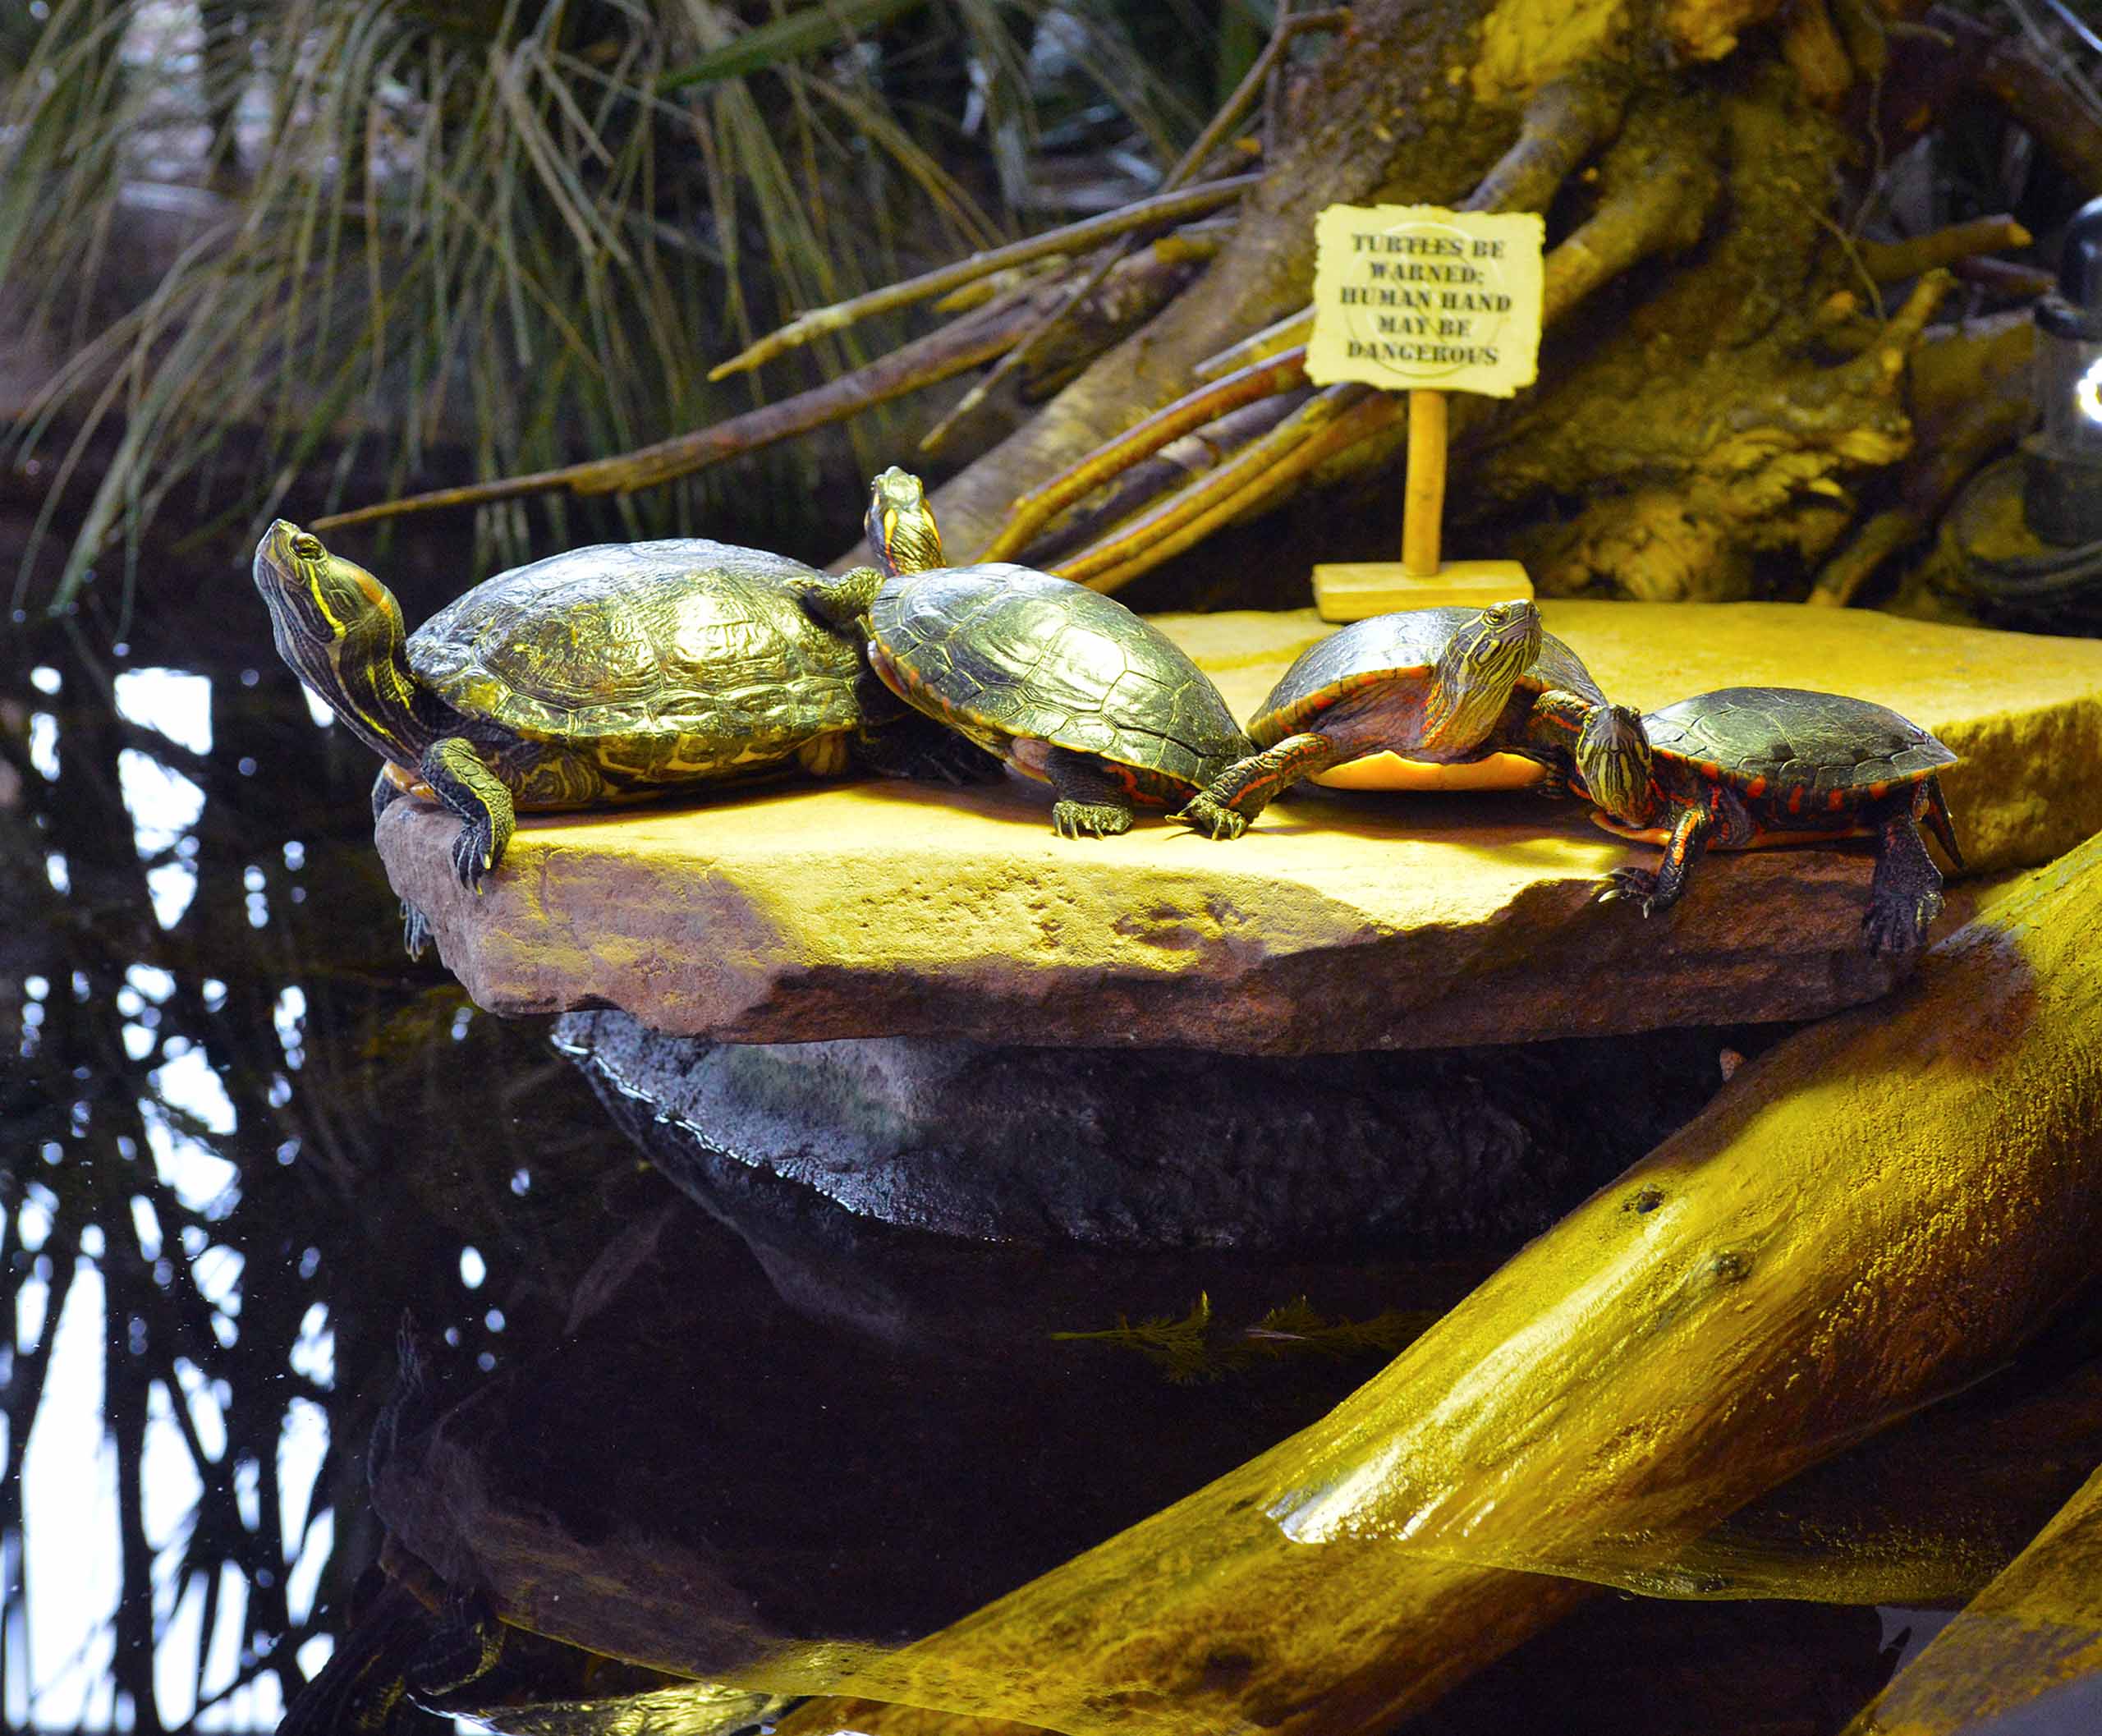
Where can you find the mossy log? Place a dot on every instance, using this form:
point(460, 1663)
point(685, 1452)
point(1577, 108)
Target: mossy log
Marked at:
point(1870, 1216)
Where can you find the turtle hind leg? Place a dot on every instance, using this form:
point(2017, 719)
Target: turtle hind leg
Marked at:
point(462, 779)
point(1935, 814)
point(1225, 806)
point(1092, 802)
point(1905, 894)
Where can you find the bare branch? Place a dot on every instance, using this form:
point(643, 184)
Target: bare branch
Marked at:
point(1163, 208)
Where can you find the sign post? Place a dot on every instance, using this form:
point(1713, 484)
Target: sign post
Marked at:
point(1418, 299)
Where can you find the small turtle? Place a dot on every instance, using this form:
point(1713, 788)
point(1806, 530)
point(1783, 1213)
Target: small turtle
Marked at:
point(1063, 683)
point(609, 673)
point(1746, 767)
point(1450, 685)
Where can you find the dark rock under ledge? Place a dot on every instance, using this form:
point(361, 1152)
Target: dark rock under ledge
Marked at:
point(1156, 1148)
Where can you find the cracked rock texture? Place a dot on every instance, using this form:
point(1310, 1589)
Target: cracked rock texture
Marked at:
point(1340, 922)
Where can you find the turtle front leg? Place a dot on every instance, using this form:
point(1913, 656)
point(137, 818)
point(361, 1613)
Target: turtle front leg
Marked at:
point(461, 779)
point(1661, 889)
point(1225, 806)
point(1905, 892)
point(1092, 803)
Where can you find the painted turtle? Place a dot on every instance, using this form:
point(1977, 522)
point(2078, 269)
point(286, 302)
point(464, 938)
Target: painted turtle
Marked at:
point(1063, 683)
point(609, 673)
point(1440, 687)
point(1746, 767)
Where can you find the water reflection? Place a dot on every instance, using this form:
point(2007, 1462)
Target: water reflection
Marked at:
point(239, 1141)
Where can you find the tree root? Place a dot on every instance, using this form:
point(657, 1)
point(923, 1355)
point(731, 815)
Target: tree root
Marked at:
point(1970, 399)
point(1562, 124)
point(1217, 131)
point(1732, 471)
point(1893, 262)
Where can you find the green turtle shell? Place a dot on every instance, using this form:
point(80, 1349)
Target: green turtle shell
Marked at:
point(1795, 750)
point(1402, 648)
point(1002, 652)
point(673, 659)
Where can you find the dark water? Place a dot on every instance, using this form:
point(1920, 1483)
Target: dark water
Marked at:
point(245, 1137)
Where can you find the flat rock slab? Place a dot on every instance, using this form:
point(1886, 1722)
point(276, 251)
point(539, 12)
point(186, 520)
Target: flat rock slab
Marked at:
point(1339, 922)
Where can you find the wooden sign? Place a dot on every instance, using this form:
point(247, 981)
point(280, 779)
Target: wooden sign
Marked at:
point(1414, 296)
point(1421, 299)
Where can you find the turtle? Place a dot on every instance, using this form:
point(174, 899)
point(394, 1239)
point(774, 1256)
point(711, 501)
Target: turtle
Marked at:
point(608, 673)
point(1064, 684)
point(1447, 686)
point(1746, 767)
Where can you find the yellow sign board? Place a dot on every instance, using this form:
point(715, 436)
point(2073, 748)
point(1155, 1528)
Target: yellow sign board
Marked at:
point(1416, 297)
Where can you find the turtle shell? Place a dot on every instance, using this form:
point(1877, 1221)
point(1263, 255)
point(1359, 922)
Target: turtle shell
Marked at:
point(1795, 750)
point(1403, 646)
point(692, 652)
point(1002, 652)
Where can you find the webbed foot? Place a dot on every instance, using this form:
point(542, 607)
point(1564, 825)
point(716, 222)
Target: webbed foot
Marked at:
point(1213, 818)
point(1088, 819)
point(1636, 885)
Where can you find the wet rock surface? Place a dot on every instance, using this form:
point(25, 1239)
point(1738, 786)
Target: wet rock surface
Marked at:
point(1156, 1148)
point(1342, 922)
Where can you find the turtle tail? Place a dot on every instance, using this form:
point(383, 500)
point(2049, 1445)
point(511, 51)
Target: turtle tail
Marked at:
point(1936, 815)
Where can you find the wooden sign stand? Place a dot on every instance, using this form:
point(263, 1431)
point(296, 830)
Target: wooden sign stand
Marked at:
point(1433, 267)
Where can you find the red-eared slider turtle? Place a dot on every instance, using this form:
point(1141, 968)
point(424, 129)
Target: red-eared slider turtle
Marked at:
point(1449, 686)
point(1062, 682)
point(607, 674)
point(1746, 767)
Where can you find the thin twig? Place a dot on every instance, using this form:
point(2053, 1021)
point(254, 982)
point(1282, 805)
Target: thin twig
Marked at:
point(1074, 237)
point(1188, 414)
point(955, 348)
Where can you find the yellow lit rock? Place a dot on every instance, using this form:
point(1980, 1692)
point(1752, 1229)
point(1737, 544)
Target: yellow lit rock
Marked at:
point(881, 908)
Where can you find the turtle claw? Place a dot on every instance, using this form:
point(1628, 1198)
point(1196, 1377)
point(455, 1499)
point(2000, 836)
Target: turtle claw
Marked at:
point(1088, 819)
point(1213, 818)
point(474, 854)
point(1637, 885)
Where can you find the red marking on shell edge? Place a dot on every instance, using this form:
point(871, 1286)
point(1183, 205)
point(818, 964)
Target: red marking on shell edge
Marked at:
point(1836, 800)
point(1757, 786)
point(1796, 799)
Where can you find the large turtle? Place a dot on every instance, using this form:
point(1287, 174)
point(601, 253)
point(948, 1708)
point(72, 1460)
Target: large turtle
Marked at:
point(1440, 687)
point(609, 673)
point(1744, 767)
point(1063, 683)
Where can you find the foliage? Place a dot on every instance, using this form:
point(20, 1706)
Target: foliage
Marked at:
point(498, 236)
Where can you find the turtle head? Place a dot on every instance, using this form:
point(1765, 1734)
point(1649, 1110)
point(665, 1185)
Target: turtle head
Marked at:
point(1481, 663)
point(1614, 760)
point(903, 534)
point(340, 629)
point(316, 599)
